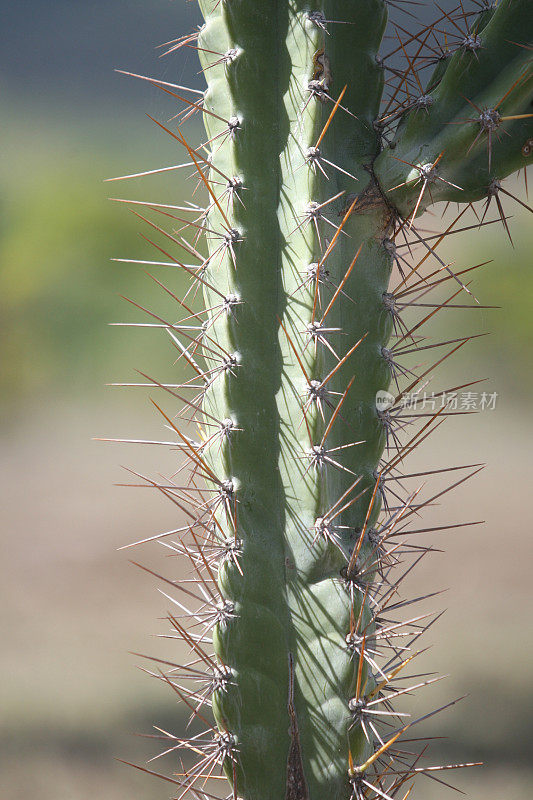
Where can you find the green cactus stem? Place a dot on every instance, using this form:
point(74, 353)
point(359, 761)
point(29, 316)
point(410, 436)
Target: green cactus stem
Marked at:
point(308, 183)
point(287, 462)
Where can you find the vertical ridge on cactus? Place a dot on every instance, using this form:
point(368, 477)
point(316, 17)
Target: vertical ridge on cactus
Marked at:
point(295, 516)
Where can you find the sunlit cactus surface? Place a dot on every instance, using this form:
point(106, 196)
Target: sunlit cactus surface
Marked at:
point(304, 335)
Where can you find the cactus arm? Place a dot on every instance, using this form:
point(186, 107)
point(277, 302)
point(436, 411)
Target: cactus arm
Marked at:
point(478, 120)
point(289, 602)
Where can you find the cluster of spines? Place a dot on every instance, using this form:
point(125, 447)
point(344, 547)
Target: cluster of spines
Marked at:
point(213, 541)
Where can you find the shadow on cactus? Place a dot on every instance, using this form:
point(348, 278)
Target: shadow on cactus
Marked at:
point(298, 517)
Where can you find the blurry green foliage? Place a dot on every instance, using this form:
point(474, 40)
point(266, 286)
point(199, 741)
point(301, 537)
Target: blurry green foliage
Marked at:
point(59, 288)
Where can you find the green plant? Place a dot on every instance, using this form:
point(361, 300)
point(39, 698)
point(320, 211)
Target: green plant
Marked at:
point(291, 526)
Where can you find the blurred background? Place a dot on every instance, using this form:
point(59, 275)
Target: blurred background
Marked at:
point(71, 607)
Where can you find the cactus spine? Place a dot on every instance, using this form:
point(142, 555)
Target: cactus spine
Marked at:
point(305, 200)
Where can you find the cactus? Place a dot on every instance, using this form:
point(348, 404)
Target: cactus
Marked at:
point(296, 636)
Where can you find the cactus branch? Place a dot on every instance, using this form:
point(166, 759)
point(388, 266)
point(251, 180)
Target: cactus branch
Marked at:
point(477, 118)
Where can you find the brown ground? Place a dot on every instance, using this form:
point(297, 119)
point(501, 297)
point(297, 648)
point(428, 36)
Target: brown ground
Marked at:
point(72, 607)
